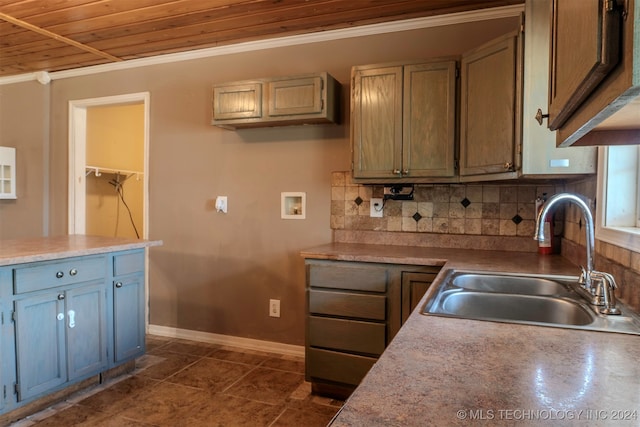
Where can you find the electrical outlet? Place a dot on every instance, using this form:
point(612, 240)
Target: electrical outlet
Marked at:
point(274, 307)
point(375, 209)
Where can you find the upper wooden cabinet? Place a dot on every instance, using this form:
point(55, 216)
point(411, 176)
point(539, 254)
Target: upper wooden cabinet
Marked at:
point(305, 99)
point(593, 69)
point(403, 121)
point(584, 48)
point(490, 110)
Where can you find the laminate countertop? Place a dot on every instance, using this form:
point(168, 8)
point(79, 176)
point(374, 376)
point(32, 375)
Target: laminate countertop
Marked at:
point(18, 251)
point(448, 372)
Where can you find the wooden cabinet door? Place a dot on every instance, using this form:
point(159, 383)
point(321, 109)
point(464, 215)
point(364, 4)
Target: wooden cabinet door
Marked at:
point(237, 101)
point(491, 80)
point(128, 317)
point(429, 120)
point(40, 344)
point(414, 286)
point(86, 328)
point(585, 46)
point(376, 122)
point(295, 96)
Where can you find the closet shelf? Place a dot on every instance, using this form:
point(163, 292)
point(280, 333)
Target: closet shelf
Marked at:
point(97, 170)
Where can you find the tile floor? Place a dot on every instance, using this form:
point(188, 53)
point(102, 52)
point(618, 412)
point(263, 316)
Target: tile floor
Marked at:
point(187, 383)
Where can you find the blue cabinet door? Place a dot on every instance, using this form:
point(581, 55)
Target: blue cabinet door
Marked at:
point(86, 325)
point(40, 344)
point(128, 317)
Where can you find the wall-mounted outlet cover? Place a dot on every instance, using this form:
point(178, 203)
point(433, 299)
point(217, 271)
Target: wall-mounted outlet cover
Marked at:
point(375, 208)
point(274, 307)
point(221, 204)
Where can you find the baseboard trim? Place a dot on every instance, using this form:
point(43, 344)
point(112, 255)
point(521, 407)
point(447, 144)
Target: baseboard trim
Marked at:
point(245, 343)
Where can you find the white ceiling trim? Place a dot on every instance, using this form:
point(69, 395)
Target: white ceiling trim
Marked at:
point(365, 30)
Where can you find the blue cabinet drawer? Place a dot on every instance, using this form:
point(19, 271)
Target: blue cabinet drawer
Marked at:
point(45, 275)
point(127, 263)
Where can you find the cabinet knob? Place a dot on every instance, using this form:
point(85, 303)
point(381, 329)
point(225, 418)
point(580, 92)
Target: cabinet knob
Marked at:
point(59, 274)
point(396, 172)
point(405, 171)
point(540, 116)
point(60, 297)
point(508, 166)
point(73, 272)
point(118, 284)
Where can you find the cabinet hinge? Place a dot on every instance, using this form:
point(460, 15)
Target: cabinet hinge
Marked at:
point(456, 164)
point(321, 104)
point(16, 388)
point(352, 166)
point(2, 317)
point(457, 72)
point(13, 316)
point(4, 391)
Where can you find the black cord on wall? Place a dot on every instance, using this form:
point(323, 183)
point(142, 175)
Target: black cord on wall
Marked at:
point(120, 190)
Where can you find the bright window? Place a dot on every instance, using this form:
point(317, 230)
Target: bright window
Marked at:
point(617, 212)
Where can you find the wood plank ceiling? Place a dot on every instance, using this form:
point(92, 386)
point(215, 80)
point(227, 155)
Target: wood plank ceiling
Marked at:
point(54, 35)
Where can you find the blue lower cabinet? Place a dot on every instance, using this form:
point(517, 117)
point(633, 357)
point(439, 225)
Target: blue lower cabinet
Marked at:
point(128, 317)
point(40, 344)
point(62, 321)
point(86, 327)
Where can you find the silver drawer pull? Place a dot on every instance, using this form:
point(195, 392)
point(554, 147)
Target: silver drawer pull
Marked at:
point(59, 274)
point(73, 272)
point(118, 284)
point(60, 297)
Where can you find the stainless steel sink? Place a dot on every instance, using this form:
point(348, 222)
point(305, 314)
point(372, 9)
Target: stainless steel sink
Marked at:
point(524, 308)
point(533, 300)
point(509, 284)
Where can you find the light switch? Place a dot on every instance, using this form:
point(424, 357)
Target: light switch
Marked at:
point(221, 204)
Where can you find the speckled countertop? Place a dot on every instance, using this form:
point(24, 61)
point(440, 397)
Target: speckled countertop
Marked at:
point(17, 251)
point(447, 372)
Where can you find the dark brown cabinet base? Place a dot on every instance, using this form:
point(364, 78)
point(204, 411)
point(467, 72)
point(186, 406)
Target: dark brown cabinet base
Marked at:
point(354, 311)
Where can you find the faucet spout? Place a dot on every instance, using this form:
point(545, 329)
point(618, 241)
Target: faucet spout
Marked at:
point(588, 226)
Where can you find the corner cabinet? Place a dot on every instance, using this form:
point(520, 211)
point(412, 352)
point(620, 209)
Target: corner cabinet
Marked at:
point(354, 311)
point(67, 320)
point(303, 99)
point(403, 121)
point(594, 89)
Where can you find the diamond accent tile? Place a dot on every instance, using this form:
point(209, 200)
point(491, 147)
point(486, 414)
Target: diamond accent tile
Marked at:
point(465, 202)
point(517, 219)
point(358, 201)
point(417, 216)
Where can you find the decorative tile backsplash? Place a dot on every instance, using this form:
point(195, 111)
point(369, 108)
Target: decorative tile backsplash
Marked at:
point(491, 209)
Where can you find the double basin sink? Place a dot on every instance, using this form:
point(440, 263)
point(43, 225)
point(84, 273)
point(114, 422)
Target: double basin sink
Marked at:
point(525, 299)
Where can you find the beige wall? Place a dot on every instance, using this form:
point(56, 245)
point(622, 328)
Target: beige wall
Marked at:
point(115, 140)
point(216, 272)
point(24, 124)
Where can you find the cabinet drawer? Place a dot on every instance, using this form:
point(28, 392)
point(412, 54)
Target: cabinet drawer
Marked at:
point(128, 263)
point(39, 276)
point(372, 279)
point(347, 304)
point(338, 367)
point(347, 335)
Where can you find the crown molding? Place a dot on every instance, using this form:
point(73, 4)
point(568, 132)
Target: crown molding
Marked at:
point(361, 31)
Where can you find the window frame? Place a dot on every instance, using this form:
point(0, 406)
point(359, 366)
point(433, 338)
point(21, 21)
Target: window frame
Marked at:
point(626, 236)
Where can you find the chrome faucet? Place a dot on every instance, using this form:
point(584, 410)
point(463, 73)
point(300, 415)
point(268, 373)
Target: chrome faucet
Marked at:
point(597, 286)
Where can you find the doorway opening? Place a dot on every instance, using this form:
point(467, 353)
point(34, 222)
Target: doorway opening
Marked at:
point(108, 162)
